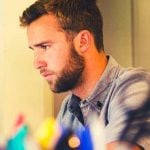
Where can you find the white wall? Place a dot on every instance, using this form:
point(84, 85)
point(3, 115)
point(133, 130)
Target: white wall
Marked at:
point(127, 31)
point(141, 30)
point(117, 29)
point(21, 87)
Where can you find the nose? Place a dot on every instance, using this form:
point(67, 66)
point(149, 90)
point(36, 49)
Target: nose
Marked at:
point(39, 61)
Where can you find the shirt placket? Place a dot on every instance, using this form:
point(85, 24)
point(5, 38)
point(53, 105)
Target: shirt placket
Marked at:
point(84, 105)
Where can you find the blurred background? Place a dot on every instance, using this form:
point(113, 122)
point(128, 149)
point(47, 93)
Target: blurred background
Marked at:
point(23, 90)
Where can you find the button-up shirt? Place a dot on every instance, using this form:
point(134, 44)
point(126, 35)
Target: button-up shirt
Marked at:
point(117, 91)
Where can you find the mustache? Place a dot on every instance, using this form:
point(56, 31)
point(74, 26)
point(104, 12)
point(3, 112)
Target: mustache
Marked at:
point(44, 71)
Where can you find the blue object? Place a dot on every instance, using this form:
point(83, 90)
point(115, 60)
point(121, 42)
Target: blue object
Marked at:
point(86, 140)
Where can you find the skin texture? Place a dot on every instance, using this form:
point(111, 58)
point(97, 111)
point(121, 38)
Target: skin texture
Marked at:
point(55, 56)
point(61, 61)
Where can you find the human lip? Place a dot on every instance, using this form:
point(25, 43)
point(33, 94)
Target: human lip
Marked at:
point(45, 74)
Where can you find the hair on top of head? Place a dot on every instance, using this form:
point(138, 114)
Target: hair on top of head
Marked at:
point(32, 12)
point(89, 2)
point(83, 1)
point(41, 7)
point(75, 4)
point(72, 15)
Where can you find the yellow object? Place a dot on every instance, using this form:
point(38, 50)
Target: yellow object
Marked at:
point(47, 133)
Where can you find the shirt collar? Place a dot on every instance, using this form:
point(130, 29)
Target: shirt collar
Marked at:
point(100, 91)
point(105, 80)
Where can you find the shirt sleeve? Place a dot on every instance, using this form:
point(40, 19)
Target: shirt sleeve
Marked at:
point(130, 92)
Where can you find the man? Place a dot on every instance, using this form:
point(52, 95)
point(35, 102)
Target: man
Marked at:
point(67, 39)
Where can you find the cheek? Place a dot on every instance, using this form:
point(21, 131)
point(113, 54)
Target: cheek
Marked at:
point(56, 61)
point(57, 55)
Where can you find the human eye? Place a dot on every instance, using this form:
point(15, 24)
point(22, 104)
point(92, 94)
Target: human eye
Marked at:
point(44, 46)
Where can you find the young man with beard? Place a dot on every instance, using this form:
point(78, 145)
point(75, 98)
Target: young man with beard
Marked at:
point(67, 40)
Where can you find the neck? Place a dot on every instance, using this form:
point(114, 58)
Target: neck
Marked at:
point(92, 73)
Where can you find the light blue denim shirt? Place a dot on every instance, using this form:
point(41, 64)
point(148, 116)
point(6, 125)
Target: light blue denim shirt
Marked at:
point(118, 90)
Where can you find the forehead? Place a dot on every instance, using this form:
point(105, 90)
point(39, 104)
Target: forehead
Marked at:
point(44, 27)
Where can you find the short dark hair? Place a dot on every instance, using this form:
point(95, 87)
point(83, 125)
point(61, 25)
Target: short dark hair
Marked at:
point(73, 16)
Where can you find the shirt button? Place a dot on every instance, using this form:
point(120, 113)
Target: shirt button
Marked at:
point(83, 103)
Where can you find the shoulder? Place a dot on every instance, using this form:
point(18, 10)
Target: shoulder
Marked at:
point(134, 74)
point(133, 79)
point(132, 86)
point(130, 91)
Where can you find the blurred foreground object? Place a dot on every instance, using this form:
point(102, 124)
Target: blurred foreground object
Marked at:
point(18, 135)
point(19, 138)
point(51, 136)
point(137, 124)
point(47, 134)
point(91, 138)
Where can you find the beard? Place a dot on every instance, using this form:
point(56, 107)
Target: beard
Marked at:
point(71, 75)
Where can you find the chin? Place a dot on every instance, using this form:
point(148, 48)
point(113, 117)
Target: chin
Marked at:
point(53, 88)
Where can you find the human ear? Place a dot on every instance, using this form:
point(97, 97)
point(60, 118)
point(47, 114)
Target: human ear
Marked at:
point(82, 41)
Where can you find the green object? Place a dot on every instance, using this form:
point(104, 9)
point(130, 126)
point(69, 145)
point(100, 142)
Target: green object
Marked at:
point(17, 142)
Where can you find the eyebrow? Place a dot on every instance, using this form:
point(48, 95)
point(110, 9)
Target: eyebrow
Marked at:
point(39, 44)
